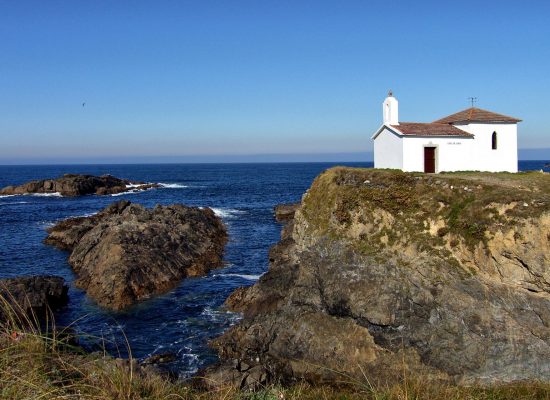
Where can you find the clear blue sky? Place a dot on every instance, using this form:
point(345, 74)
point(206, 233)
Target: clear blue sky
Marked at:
point(206, 77)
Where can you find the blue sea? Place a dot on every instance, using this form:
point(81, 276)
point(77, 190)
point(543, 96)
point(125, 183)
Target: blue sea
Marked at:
point(185, 319)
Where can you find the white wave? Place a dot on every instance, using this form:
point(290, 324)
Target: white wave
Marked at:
point(134, 185)
point(13, 203)
point(46, 224)
point(85, 215)
point(54, 194)
point(133, 191)
point(122, 193)
point(219, 315)
point(173, 185)
point(227, 212)
point(51, 194)
point(243, 276)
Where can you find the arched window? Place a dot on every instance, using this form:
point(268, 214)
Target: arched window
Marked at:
point(494, 141)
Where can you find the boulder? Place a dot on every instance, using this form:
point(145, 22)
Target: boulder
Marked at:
point(285, 212)
point(127, 253)
point(31, 295)
point(78, 185)
point(387, 274)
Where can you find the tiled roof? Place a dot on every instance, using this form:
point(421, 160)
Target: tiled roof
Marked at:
point(476, 115)
point(429, 129)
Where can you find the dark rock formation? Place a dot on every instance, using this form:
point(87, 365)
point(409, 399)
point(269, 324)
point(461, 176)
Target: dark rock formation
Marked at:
point(386, 273)
point(285, 212)
point(128, 253)
point(161, 358)
point(78, 185)
point(31, 295)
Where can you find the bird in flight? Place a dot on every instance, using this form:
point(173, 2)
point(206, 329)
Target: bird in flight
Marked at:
point(83, 104)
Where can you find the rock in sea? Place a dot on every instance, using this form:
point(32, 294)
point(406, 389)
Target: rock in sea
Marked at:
point(78, 185)
point(127, 253)
point(31, 295)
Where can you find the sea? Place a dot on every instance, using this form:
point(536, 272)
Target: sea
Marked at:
point(184, 320)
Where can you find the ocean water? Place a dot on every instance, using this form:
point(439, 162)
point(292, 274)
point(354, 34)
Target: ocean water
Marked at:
point(185, 319)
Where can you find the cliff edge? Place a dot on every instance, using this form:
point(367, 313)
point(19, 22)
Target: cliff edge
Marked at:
point(382, 273)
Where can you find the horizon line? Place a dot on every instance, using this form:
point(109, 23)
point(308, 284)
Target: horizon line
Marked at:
point(529, 154)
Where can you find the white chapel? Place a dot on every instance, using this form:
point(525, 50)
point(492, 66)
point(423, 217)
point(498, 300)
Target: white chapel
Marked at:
point(470, 140)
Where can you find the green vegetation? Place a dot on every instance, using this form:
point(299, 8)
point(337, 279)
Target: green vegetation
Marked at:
point(377, 210)
point(34, 365)
point(464, 205)
point(35, 368)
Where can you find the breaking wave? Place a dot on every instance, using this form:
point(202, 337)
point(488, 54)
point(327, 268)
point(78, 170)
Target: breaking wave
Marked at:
point(227, 212)
point(133, 191)
point(243, 276)
point(173, 185)
point(54, 194)
point(13, 203)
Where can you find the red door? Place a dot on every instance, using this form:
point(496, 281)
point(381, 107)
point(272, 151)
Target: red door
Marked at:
point(429, 160)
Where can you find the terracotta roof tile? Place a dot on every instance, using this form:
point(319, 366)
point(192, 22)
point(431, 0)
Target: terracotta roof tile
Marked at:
point(429, 129)
point(476, 115)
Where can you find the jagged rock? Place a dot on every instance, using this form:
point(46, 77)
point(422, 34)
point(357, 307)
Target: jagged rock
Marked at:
point(78, 185)
point(161, 358)
point(127, 253)
point(285, 212)
point(386, 274)
point(32, 295)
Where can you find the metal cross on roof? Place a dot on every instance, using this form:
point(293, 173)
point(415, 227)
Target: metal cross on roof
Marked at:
point(473, 100)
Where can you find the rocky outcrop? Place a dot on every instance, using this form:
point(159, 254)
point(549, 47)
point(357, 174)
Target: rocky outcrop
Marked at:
point(127, 253)
point(78, 185)
point(386, 274)
point(30, 296)
point(285, 212)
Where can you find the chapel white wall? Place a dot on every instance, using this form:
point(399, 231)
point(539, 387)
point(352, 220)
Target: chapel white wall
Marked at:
point(451, 154)
point(484, 158)
point(388, 150)
point(390, 110)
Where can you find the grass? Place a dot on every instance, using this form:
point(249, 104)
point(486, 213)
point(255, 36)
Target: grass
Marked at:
point(341, 199)
point(39, 365)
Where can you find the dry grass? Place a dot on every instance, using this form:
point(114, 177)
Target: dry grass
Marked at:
point(39, 365)
point(464, 201)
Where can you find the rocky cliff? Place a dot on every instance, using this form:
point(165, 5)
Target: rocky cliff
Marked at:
point(78, 185)
point(28, 297)
point(383, 274)
point(127, 253)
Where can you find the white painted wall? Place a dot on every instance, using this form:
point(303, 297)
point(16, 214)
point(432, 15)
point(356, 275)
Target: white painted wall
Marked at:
point(388, 150)
point(451, 154)
point(505, 157)
point(390, 111)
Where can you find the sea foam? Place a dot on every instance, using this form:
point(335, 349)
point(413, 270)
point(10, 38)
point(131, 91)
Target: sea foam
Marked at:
point(227, 212)
point(249, 277)
point(173, 185)
point(54, 194)
point(133, 191)
point(13, 203)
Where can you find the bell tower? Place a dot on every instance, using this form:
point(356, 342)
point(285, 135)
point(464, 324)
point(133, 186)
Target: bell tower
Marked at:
point(390, 109)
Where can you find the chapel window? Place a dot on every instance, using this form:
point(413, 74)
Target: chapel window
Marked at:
point(494, 141)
